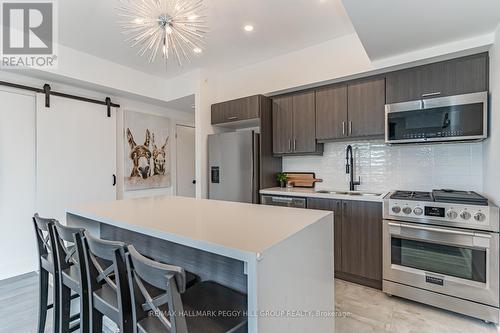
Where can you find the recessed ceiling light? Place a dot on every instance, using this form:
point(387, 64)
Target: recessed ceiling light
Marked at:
point(248, 27)
point(197, 50)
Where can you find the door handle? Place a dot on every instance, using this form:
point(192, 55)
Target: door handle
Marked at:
point(431, 94)
point(290, 145)
point(294, 144)
point(343, 128)
point(232, 118)
point(350, 127)
point(194, 181)
point(114, 180)
point(443, 231)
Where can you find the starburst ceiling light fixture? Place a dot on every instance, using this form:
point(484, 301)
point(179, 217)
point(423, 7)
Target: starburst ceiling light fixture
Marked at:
point(176, 27)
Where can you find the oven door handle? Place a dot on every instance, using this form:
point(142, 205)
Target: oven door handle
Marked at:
point(444, 231)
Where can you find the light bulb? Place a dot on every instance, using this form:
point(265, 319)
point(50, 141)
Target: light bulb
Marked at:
point(139, 20)
point(248, 28)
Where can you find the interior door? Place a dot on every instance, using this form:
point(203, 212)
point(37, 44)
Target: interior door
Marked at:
point(304, 123)
point(185, 161)
point(17, 183)
point(76, 155)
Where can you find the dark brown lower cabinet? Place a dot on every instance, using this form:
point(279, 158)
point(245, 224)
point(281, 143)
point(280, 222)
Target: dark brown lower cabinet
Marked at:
point(336, 207)
point(357, 239)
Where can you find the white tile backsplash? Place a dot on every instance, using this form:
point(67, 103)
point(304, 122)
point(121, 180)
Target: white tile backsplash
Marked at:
point(403, 167)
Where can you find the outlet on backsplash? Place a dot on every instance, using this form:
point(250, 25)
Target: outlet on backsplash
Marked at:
point(387, 167)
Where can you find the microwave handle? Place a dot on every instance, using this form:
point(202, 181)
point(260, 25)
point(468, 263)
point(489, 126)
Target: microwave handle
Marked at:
point(445, 231)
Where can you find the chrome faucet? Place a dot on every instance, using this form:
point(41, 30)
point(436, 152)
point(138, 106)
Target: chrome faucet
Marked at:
point(349, 168)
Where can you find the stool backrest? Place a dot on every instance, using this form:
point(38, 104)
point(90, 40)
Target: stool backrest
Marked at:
point(106, 259)
point(171, 282)
point(45, 243)
point(67, 251)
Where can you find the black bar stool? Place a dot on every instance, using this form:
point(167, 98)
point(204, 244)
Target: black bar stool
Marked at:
point(165, 311)
point(46, 254)
point(72, 277)
point(108, 289)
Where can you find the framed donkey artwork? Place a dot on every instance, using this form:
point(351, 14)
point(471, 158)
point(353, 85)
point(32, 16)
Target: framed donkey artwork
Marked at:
point(147, 151)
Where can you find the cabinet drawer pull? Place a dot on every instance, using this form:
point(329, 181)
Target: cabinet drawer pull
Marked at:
point(343, 128)
point(290, 145)
point(431, 94)
point(350, 127)
point(294, 144)
point(232, 118)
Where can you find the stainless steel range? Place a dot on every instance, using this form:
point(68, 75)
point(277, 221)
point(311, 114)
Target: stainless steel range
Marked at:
point(442, 248)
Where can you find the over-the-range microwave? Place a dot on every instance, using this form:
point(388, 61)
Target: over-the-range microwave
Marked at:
point(451, 118)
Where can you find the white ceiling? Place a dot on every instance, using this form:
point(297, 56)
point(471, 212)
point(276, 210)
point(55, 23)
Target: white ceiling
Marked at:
point(391, 27)
point(281, 26)
point(185, 104)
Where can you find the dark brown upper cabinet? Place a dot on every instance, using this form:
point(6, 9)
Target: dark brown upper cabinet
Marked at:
point(236, 110)
point(282, 124)
point(331, 112)
point(294, 125)
point(351, 110)
point(366, 108)
point(452, 77)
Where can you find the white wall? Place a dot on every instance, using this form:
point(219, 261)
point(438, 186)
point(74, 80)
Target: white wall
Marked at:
point(336, 58)
point(492, 145)
point(333, 59)
point(400, 167)
point(85, 70)
point(126, 103)
point(176, 117)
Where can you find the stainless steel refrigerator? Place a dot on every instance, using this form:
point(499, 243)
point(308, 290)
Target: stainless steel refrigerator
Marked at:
point(233, 164)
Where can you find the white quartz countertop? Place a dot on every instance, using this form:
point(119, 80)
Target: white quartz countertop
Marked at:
point(312, 193)
point(204, 223)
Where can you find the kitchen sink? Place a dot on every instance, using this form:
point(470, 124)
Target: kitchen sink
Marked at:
point(353, 193)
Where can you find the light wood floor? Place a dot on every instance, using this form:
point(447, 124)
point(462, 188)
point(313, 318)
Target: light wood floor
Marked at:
point(367, 310)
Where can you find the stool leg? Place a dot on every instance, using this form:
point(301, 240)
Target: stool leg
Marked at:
point(57, 304)
point(65, 309)
point(96, 321)
point(84, 312)
point(43, 286)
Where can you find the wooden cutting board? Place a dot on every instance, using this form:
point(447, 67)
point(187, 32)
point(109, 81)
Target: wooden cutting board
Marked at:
point(303, 179)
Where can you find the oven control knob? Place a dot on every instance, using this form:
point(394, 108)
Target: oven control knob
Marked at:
point(465, 215)
point(407, 210)
point(480, 217)
point(451, 214)
point(418, 211)
point(396, 209)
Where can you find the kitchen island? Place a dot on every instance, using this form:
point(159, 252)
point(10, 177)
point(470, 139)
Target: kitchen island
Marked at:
point(282, 258)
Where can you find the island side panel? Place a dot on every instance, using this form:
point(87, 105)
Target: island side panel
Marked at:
point(92, 226)
point(297, 275)
point(206, 265)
